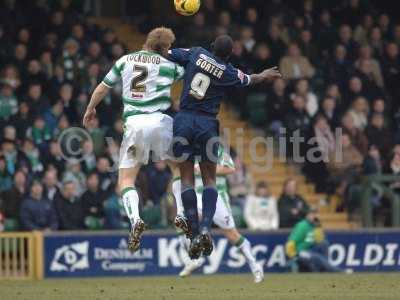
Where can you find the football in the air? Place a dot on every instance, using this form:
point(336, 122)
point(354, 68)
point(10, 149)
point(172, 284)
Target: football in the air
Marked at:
point(187, 7)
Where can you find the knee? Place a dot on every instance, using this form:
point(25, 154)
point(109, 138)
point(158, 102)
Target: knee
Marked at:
point(232, 235)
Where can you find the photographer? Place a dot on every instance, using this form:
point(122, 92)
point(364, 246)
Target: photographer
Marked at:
point(307, 248)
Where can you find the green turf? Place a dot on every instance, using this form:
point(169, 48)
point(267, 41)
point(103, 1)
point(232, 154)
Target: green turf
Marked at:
point(285, 286)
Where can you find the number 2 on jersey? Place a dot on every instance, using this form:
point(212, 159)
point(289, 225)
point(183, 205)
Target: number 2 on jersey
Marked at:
point(199, 85)
point(137, 85)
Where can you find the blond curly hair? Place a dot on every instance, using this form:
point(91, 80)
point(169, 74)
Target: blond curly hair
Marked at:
point(159, 40)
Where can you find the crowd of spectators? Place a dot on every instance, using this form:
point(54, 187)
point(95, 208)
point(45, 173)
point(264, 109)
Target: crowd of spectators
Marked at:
point(340, 63)
point(340, 67)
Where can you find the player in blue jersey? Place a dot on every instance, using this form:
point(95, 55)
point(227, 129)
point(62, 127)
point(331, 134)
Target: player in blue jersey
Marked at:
point(196, 129)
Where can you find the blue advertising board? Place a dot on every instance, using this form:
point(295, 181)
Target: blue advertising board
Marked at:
point(106, 254)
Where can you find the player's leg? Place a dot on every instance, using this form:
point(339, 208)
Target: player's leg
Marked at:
point(244, 246)
point(190, 265)
point(130, 200)
point(209, 201)
point(176, 187)
point(224, 220)
point(134, 152)
point(188, 195)
point(183, 150)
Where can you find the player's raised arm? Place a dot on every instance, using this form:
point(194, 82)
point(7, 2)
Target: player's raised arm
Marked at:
point(112, 77)
point(266, 75)
point(179, 55)
point(98, 94)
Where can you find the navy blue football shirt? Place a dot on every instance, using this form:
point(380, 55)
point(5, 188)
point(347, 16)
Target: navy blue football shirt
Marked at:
point(206, 79)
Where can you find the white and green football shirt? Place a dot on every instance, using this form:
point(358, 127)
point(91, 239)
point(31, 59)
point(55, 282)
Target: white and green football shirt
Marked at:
point(146, 81)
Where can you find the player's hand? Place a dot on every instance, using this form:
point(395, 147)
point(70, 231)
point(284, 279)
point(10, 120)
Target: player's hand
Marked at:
point(272, 73)
point(90, 114)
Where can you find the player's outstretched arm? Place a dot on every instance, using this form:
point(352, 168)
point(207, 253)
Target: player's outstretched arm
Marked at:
point(98, 94)
point(266, 75)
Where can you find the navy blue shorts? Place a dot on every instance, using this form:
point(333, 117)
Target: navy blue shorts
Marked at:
point(196, 137)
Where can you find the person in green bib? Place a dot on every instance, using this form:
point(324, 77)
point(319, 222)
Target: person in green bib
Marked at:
point(307, 247)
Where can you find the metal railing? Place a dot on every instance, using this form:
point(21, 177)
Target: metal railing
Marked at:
point(380, 184)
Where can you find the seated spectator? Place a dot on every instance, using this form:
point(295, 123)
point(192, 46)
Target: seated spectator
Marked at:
point(37, 213)
point(55, 158)
point(22, 120)
point(294, 65)
point(307, 247)
point(277, 104)
point(5, 176)
point(74, 173)
point(379, 134)
point(239, 181)
point(307, 46)
point(106, 178)
point(346, 39)
point(357, 136)
point(275, 42)
point(51, 188)
point(391, 70)
point(8, 101)
point(376, 41)
point(370, 84)
point(37, 102)
point(114, 212)
point(260, 209)
point(361, 30)
point(354, 89)
point(15, 158)
point(365, 52)
point(40, 134)
point(33, 155)
point(92, 200)
point(302, 88)
point(158, 176)
point(329, 110)
point(372, 163)
point(320, 143)
point(347, 163)
point(297, 121)
point(359, 111)
point(261, 58)
point(11, 199)
point(88, 157)
point(339, 68)
point(292, 207)
point(69, 208)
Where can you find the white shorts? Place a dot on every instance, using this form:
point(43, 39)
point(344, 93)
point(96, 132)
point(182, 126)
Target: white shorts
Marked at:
point(223, 214)
point(143, 134)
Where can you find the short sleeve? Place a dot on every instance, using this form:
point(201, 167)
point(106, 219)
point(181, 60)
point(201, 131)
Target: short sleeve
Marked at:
point(179, 72)
point(235, 77)
point(114, 75)
point(179, 55)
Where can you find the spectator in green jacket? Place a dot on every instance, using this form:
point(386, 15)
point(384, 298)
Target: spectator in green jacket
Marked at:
point(307, 247)
point(8, 102)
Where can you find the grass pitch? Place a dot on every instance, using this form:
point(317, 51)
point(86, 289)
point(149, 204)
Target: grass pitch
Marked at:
point(282, 286)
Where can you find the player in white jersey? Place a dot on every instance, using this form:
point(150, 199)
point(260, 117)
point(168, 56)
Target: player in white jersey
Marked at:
point(146, 92)
point(222, 218)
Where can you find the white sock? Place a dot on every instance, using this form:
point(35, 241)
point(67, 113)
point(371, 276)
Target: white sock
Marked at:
point(176, 190)
point(245, 248)
point(184, 246)
point(130, 199)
